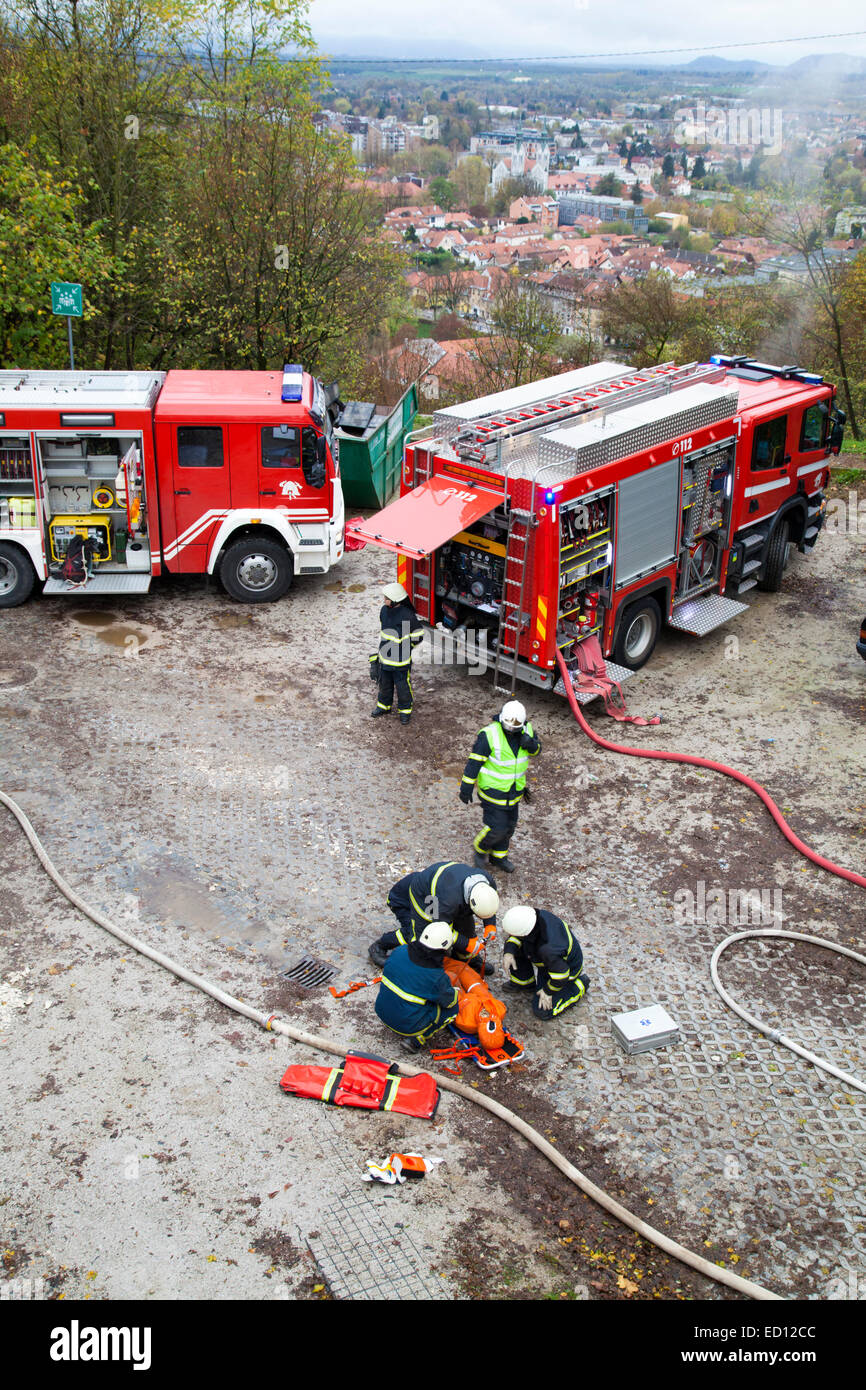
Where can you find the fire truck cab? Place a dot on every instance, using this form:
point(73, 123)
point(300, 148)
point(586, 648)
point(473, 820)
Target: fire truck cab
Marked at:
point(193, 472)
point(607, 501)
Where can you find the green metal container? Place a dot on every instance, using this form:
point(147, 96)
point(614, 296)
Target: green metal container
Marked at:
point(370, 463)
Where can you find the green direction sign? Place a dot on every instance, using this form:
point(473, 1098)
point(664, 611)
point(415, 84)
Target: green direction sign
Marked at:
point(66, 299)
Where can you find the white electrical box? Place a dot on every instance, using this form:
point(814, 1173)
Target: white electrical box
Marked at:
point(643, 1029)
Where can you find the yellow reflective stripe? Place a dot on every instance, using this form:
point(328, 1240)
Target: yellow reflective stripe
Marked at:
point(391, 1092)
point(541, 621)
point(449, 865)
point(419, 910)
point(330, 1084)
point(410, 998)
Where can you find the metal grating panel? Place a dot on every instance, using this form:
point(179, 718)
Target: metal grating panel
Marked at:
point(701, 615)
point(363, 1255)
point(309, 973)
point(102, 584)
point(614, 673)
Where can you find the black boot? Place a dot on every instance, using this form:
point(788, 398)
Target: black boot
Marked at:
point(504, 864)
point(404, 718)
point(479, 860)
point(377, 713)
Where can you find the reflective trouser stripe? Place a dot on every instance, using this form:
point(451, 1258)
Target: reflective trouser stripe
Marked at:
point(479, 839)
point(500, 800)
point(410, 998)
point(331, 1083)
point(562, 1004)
point(408, 710)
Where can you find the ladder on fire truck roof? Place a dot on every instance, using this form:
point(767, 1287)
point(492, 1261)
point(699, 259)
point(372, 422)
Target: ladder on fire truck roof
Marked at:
point(480, 441)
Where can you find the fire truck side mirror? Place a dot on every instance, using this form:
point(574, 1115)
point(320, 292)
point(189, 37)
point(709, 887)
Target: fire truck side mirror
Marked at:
point(837, 433)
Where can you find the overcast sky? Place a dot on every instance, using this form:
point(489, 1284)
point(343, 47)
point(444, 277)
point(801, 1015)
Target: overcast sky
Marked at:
point(508, 28)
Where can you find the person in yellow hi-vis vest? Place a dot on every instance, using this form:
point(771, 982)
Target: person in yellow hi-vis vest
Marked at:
point(497, 768)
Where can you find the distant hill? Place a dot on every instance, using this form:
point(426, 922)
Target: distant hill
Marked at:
point(829, 65)
point(712, 64)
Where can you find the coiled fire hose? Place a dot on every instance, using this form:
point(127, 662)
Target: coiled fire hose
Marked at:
point(276, 1025)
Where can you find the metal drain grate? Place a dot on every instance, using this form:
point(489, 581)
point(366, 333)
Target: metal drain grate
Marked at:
point(308, 973)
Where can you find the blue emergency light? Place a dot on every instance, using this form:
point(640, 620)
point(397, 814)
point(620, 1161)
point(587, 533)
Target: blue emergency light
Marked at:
point(550, 496)
point(293, 382)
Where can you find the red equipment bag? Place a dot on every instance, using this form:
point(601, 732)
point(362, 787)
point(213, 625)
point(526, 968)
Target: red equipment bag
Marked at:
point(370, 1083)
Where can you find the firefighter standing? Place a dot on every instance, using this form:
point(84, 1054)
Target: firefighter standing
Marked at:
point(416, 998)
point(445, 892)
point(399, 633)
point(541, 953)
point(497, 767)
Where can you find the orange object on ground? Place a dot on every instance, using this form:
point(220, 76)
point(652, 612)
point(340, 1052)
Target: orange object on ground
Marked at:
point(477, 1010)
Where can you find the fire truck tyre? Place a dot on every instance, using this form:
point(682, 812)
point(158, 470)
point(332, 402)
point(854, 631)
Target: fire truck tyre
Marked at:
point(256, 571)
point(638, 632)
point(776, 561)
point(17, 576)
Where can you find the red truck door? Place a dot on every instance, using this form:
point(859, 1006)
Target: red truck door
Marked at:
point(290, 471)
point(768, 470)
point(202, 493)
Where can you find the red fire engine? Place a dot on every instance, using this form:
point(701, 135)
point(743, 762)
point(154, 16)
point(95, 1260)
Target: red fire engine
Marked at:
point(226, 473)
point(607, 501)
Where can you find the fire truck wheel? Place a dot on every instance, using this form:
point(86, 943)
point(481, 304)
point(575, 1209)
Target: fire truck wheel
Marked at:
point(17, 576)
point(256, 570)
point(776, 561)
point(638, 632)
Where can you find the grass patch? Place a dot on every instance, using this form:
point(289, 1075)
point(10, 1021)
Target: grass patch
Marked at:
point(844, 476)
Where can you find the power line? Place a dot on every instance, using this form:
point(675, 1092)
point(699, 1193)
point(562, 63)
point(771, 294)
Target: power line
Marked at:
point(580, 57)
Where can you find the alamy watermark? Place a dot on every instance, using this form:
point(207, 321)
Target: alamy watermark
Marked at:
point(732, 907)
point(729, 125)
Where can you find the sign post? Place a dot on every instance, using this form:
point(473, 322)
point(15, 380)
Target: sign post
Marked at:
point(67, 299)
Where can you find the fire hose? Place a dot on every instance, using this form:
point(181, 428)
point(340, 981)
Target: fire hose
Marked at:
point(272, 1024)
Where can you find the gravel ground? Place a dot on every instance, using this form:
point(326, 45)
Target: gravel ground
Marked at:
point(209, 775)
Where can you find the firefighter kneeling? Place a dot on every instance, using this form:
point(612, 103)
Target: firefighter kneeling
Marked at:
point(416, 998)
point(542, 954)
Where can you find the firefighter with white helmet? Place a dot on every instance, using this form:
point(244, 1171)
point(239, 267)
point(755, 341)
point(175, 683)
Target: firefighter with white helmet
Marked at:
point(416, 998)
point(542, 954)
point(399, 633)
point(496, 767)
point(448, 892)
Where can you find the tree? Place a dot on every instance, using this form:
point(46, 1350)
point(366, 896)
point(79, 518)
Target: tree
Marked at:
point(636, 192)
point(668, 167)
point(645, 317)
point(609, 186)
point(41, 239)
point(699, 170)
point(471, 178)
point(524, 331)
point(793, 216)
point(443, 193)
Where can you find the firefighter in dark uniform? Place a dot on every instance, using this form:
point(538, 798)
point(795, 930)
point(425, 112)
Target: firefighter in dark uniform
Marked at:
point(497, 768)
point(416, 998)
point(445, 892)
point(399, 633)
point(541, 953)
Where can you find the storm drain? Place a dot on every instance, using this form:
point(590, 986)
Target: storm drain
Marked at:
point(308, 973)
point(363, 1256)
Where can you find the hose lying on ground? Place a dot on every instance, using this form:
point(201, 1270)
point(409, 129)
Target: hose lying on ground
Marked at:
point(714, 767)
point(276, 1025)
point(772, 1033)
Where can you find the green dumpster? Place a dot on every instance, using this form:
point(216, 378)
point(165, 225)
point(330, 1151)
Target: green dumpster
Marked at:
point(371, 450)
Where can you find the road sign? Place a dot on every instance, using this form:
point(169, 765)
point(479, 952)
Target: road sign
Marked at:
point(66, 299)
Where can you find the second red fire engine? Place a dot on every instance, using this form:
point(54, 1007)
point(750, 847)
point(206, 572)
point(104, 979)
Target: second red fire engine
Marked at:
point(609, 501)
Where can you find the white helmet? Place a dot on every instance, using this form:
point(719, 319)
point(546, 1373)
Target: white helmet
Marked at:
point(395, 593)
point(437, 936)
point(482, 897)
point(518, 921)
point(513, 715)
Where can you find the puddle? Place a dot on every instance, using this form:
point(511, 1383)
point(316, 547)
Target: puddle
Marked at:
point(93, 617)
point(452, 769)
point(234, 620)
point(357, 588)
point(265, 699)
point(334, 588)
point(124, 636)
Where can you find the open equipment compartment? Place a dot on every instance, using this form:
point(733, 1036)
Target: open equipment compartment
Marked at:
point(93, 486)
